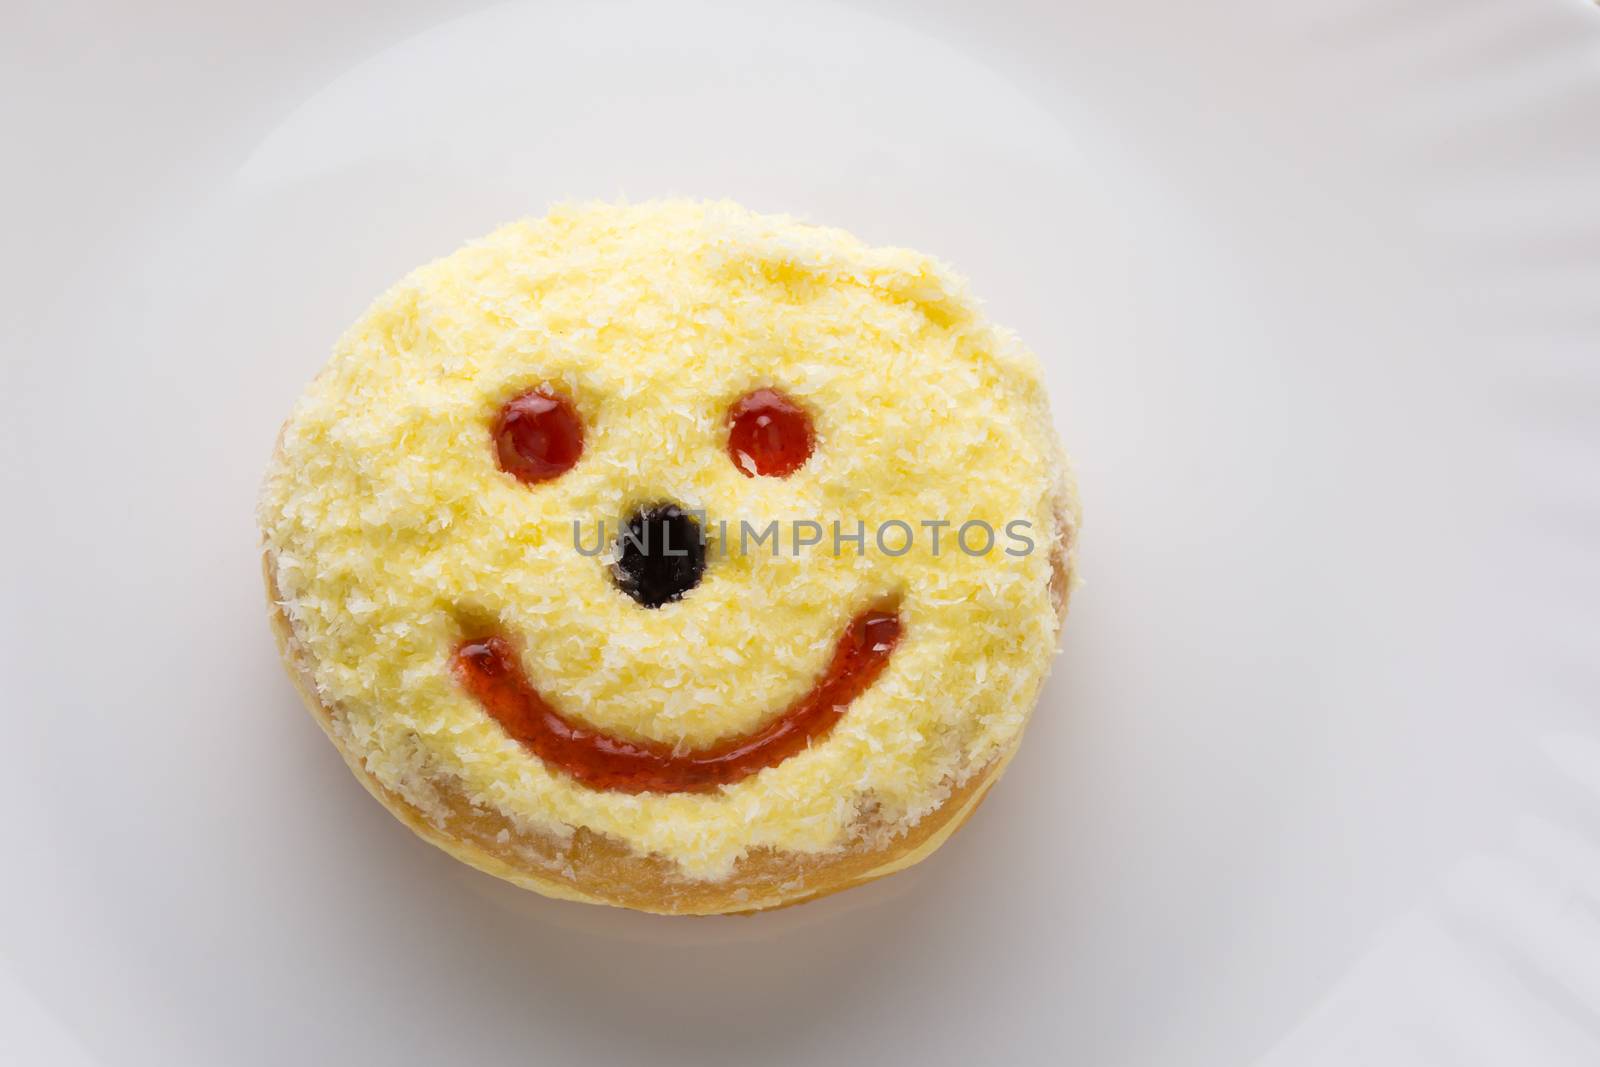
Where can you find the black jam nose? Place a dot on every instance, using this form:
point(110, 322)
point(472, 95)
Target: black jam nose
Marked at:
point(661, 555)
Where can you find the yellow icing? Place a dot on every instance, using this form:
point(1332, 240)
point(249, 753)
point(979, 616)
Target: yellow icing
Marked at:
point(393, 529)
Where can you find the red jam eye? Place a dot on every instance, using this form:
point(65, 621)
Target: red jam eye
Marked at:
point(769, 434)
point(538, 436)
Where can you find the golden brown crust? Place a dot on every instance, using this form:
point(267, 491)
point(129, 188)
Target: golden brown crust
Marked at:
point(596, 869)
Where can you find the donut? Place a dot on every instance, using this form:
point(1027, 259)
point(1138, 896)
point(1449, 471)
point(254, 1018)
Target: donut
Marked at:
point(673, 556)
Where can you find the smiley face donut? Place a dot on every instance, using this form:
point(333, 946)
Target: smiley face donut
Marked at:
point(673, 556)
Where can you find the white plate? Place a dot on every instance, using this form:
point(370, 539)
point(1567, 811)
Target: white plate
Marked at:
point(1319, 291)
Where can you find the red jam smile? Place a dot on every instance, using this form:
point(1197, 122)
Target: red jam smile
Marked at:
point(769, 434)
point(488, 669)
point(538, 436)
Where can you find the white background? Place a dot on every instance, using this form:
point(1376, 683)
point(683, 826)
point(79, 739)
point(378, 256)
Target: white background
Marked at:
point(1317, 776)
